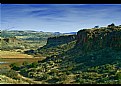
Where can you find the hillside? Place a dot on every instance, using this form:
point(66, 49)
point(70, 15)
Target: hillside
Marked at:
point(93, 56)
point(54, 46)
point(99, 38)
point(22, 40)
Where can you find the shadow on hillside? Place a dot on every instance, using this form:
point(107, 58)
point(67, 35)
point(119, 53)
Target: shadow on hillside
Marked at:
point(84, 60)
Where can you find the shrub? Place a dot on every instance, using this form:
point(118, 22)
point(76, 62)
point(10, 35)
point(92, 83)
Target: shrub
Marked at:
point(118, 75)
point(33, 65)
point(53, 80)
point(12, 74)
point(63, 77)
point(14, 66)
point(25, 63)
point(43, 77)
point(24, 71)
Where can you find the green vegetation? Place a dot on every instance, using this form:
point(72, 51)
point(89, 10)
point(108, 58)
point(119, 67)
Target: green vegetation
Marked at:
point(93, 56)
point(12, 74)
point(14, 66)
point(103, 69)
point(55, 46)
point(14, 39)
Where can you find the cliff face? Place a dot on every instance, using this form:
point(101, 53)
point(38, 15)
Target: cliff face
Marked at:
point(57, 45)
point(91, 39)
point(54, 41)
point(86, 40)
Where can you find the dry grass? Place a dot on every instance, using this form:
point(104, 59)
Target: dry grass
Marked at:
point(19, 61)
point(11, 54)
point(16, 57)
point(6, 80)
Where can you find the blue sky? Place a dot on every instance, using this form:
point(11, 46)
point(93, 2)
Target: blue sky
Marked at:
point(58, 17)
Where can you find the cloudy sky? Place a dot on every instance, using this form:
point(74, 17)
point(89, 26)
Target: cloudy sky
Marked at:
point(58, 17)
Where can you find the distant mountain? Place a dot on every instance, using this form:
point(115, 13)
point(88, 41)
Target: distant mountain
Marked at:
point(56, 33)
point(72, 33)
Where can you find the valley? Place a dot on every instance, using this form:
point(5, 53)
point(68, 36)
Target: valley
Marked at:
point(60, 44)
point(92, 56)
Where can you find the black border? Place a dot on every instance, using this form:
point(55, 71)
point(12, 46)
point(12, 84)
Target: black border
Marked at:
point(60, 2)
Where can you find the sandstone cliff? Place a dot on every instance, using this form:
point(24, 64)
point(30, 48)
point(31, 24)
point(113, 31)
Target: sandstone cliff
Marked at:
point(91, 39)
point(54, 41)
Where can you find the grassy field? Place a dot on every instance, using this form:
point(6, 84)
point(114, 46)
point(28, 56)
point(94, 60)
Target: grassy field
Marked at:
point(11, 54)
point(16, 57)
point(17, 60)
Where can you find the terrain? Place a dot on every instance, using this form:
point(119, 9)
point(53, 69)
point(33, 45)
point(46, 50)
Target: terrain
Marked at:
point(92, 56)
point(13, 43)
point(19, 40)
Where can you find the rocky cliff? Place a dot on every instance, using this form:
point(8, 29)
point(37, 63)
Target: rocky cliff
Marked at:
point(54, 41)
point(92, 39)
point(86, 40)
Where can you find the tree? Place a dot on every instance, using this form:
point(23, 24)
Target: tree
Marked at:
point(29, 52)
point(33, 65)
point(96, 27)
point(24, 71)
point(118, 75)
point(14, 66)
point(111, 25)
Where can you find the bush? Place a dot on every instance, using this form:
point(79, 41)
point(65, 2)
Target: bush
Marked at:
point(33, 65)
point(30, 74)
point(12, 74)
point(53, 80)
point(25, 63)
point(43, 77)
point(63, 77)
point(118, 75)
point(14, 66)
point(24, 71)
point(3, 70)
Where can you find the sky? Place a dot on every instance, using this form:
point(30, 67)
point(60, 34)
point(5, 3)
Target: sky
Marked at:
point(58, 17)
